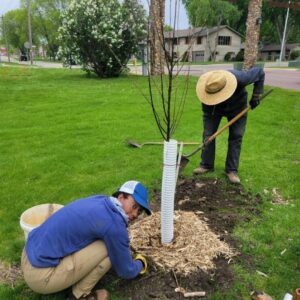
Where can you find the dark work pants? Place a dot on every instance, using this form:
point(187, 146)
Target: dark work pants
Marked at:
point(211, 123)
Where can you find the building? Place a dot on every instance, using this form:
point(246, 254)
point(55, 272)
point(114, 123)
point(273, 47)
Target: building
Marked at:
point(202, 43)
point(272, 52)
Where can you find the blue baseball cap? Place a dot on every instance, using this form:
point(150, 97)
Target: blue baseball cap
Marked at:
point(138, 192)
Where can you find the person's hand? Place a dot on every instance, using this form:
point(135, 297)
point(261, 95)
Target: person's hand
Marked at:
point(144, 262)
point(255, 100)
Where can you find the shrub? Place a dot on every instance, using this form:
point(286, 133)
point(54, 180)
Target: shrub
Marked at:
point(240, 56)
point(295, 54)
point(101, 35)
point(228, 56)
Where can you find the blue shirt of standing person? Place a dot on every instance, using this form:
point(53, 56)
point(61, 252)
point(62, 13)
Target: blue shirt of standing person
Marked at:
point(79, 243)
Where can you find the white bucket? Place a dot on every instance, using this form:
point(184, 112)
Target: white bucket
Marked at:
point(36, 215)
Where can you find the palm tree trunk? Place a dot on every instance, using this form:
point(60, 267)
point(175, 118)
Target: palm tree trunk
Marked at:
point(252, 33)
point(157, 18)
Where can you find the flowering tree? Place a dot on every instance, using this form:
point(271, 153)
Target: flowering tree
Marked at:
point(101, 35)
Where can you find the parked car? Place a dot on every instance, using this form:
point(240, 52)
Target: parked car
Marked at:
point(23, 57)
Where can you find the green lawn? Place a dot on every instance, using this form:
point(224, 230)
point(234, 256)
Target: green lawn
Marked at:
point(62, 136)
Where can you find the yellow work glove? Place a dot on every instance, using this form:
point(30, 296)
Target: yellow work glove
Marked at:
point(144, 262)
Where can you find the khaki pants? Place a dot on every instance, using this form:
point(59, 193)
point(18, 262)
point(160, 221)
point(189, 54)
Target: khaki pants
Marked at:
point(81, 270)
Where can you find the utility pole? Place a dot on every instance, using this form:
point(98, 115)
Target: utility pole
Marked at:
point(293, 4)
point(29, 32)
point(284, 33)
point(5, 37)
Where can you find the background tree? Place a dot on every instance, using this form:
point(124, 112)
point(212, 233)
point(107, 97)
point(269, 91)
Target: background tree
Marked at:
point(274, 19)
point(16, 29)
point(252, 33)
point(101, 35)
point(46, 15)
point(212, 12)
point(156, 36)
point(135, 12)
point(168, 28)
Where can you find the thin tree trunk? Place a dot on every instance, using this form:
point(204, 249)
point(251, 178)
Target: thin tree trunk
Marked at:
point(157, 19)
point(252, 33)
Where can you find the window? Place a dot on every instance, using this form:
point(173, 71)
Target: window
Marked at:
point(187, 40)
point(199, 40)
point(175, 41)
point(224, 40)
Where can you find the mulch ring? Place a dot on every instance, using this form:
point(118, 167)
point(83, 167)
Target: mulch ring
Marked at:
point(200, 258)
point(194, 247)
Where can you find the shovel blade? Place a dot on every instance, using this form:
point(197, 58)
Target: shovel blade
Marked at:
point(183, 163)
point(133, 144)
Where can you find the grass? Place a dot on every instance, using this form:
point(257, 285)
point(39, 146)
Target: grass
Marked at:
point(62, 137)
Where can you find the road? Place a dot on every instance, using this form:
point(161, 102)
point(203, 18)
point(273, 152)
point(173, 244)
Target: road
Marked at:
point(275, 75)
point(284, 78)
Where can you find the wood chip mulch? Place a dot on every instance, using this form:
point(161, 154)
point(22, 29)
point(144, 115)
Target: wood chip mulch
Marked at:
point(194, 246)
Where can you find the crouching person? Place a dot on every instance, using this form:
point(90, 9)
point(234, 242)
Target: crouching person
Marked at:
point(77, 245)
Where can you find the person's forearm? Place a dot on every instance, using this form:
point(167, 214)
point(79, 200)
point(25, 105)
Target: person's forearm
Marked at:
point(259, 85)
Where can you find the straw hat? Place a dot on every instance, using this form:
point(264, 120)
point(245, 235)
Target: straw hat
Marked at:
point(215, 87)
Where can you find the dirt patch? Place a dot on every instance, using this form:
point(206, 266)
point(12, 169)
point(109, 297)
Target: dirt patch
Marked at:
point(9, 274)
point(222, 206)
point(276, 197)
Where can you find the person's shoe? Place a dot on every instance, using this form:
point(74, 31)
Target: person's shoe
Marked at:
point(102, 294)
point(201, 170)
point(233, 177)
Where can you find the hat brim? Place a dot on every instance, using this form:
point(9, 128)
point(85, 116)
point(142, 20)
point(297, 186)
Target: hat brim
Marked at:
point(141, 202)
point(218, 97)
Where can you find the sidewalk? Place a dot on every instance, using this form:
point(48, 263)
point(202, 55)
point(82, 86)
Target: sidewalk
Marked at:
point(37, 63)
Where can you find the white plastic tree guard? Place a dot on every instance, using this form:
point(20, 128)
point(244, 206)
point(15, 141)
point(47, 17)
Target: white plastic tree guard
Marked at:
point(168, 191)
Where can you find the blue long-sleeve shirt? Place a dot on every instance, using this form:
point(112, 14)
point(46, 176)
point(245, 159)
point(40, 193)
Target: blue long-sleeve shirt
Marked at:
point(238, 101)
point(77, 225)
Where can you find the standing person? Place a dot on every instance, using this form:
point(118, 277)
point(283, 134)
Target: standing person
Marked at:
point(223, 94)
point(79, 243)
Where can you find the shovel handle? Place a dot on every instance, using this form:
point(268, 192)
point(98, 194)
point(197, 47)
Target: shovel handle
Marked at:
point(152, 143)
point(218, 132)
point(212, 137)
point(233, 120)
point(161, 143)
point(137, 145)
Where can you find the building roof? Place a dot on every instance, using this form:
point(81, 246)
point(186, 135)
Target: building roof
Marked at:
point(277, 47)
point(197, 31)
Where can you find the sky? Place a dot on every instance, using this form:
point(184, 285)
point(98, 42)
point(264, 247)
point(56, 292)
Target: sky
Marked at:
point(182, 21)
point(6, 5)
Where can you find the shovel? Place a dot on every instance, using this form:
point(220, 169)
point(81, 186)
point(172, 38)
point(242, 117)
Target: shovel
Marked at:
point(137, 145)
point(184, 158)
